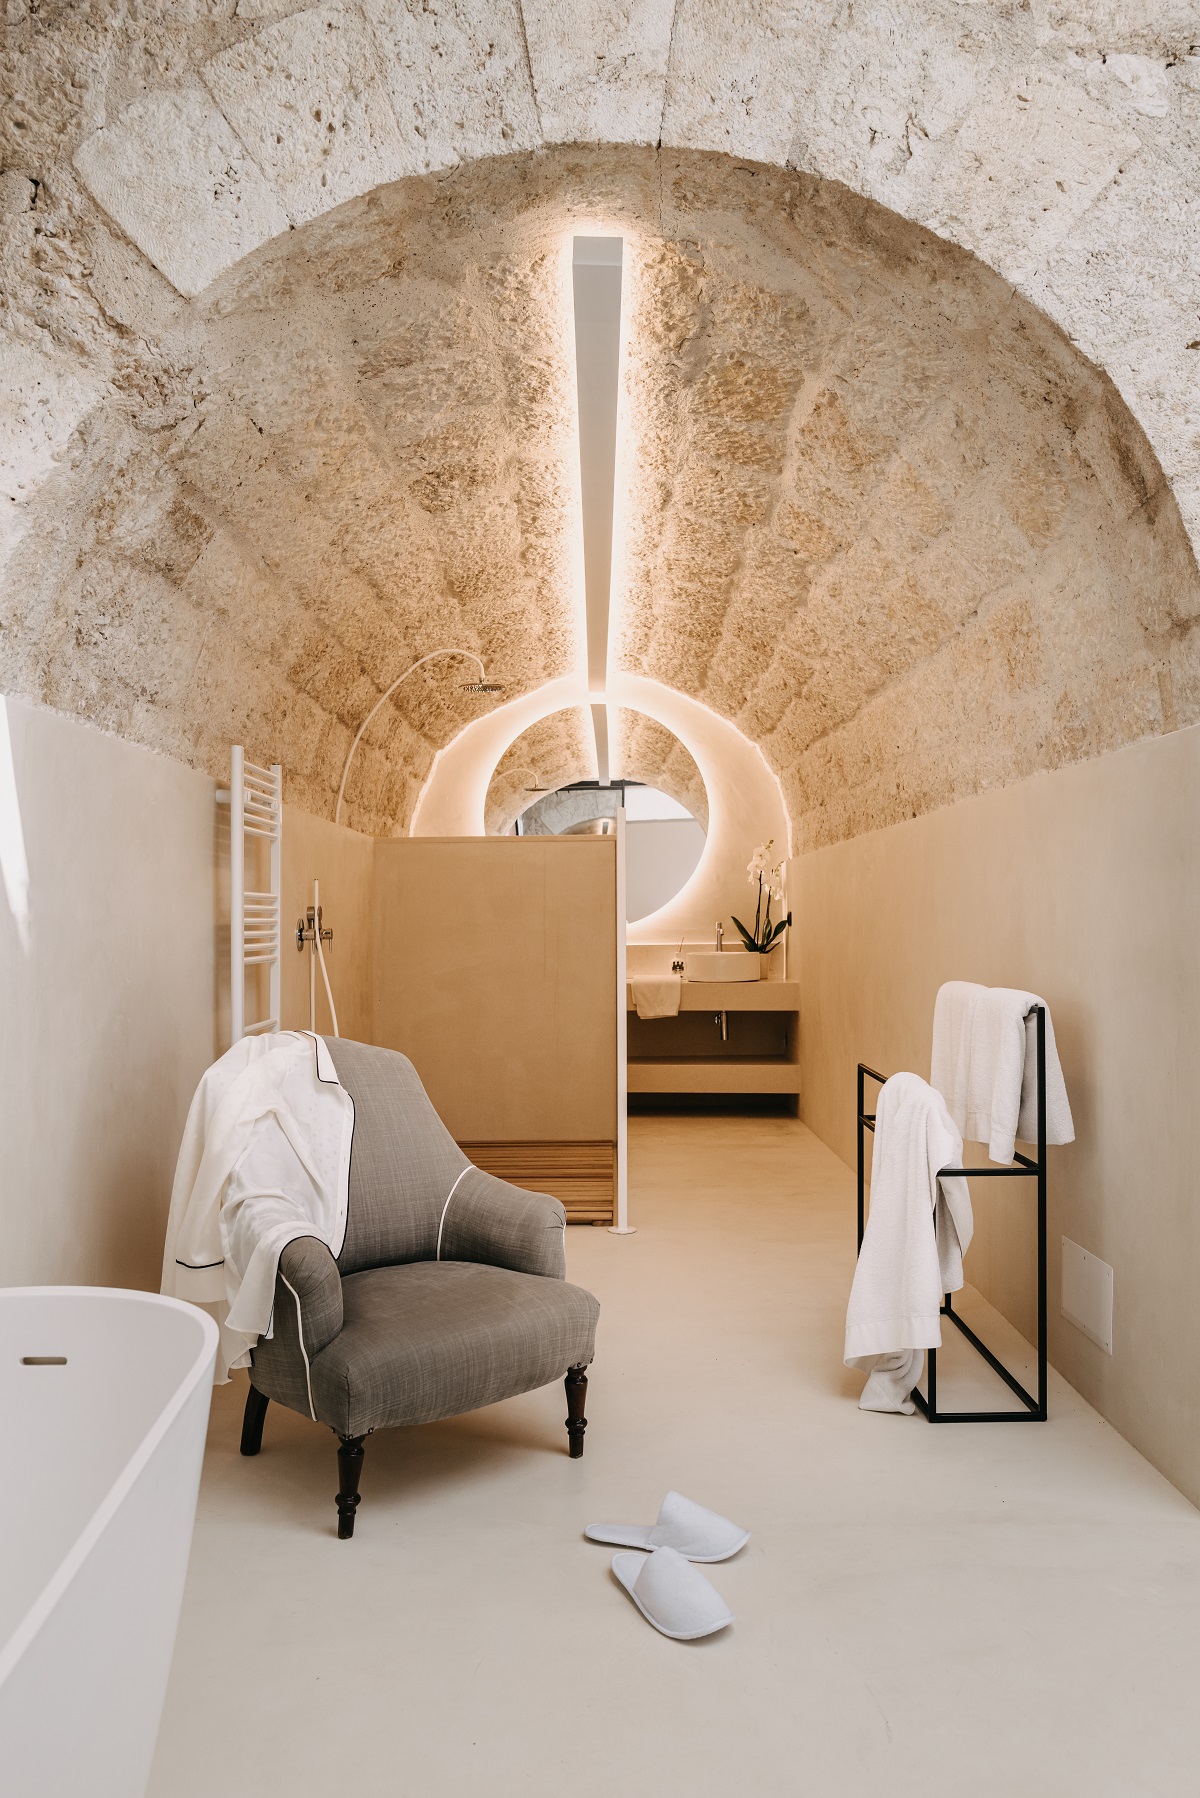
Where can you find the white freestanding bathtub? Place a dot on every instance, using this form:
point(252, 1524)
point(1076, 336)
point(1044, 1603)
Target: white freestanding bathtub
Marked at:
point(104, 1400)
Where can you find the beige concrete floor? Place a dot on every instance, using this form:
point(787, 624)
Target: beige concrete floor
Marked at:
point(989, 1611)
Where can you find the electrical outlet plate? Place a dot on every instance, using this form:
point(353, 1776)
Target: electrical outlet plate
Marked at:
point(1087, 1293)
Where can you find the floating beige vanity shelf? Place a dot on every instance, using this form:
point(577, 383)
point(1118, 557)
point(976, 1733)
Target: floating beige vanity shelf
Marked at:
point(685, 1054)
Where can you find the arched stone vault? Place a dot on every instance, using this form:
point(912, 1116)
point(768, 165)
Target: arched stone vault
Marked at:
point(1056, 139)
point(646, 750)
point(554, 752)
point(561, 749)
point(828, 396)
point(886, 520)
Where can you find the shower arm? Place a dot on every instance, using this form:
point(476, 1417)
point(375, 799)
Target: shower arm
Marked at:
point(467, 654)
point(319, 955)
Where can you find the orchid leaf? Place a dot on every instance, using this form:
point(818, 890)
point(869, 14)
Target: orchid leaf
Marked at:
point(745, 934)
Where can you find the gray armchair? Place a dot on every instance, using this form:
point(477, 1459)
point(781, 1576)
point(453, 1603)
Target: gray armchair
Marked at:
point(432, 1308)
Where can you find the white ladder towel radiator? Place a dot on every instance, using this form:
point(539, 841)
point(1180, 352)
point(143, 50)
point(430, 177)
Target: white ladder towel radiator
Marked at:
point(255, 917)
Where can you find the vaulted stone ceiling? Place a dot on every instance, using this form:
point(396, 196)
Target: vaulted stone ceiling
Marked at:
point(259, 448)
point(555, 752)
point(887, 520)
point(877, 510)
point(647, 751)
point(355, 450)
point(559, 750)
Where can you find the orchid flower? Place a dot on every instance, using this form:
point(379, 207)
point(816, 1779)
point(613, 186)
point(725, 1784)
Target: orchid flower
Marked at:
point(768, 875)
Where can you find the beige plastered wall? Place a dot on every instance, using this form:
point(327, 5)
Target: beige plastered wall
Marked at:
point(121, 1002)
point(108, 1022)
point(1081, 886)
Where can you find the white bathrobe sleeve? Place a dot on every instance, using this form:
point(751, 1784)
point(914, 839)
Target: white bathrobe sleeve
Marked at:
point(192, 1254)
point(265, 1159)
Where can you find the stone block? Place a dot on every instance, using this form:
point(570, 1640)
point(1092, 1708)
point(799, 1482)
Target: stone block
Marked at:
point(457, 77)
point(599, 68)
point(1137, 313)
point(736, 74)
point(1142, 27)
point(882, 90)
point(173, 175)
point(42, 400)
point(1146, 82)
point(309, 99)
point(1028, 161)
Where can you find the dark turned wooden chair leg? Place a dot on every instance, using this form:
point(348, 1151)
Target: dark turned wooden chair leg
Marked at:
point(252, 1421)
point(350, 1460)
point(576, 1397)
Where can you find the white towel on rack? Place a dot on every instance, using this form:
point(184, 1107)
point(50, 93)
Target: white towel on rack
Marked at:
point(984, 1064)
point(265, 1159)
point(918, 1230)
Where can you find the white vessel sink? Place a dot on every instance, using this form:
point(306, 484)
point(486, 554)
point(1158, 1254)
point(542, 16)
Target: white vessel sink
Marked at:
point(737, 965)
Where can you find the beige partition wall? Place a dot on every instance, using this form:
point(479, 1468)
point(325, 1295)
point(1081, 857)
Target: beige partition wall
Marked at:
point(495, 973)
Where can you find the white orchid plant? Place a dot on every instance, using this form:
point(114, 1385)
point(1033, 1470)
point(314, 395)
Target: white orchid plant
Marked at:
point(768, 877)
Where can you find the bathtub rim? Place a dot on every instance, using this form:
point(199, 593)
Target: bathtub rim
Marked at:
point(73, 1559)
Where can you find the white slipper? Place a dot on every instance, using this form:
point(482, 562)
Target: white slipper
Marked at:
point(688, 1528)
point(672, 1594)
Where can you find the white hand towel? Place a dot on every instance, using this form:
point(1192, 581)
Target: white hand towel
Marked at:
point(657, 995)
point(918, 1230)
point(984, 1064)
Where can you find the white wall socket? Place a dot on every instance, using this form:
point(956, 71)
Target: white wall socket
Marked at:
point(1087, 1293)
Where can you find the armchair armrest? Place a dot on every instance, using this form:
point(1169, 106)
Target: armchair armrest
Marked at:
point(310, 1272)
point(488, 1220)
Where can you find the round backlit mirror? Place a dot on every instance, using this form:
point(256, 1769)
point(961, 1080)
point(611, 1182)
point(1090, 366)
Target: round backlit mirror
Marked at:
point(666, 805)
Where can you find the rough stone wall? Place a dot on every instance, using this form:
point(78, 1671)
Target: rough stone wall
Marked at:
point(647, 751)
point(560, 750)
point(1041, 134)
point(887, 520)
point(354, 449)
point(875, 495)
point(225, 523)
point(552, 753)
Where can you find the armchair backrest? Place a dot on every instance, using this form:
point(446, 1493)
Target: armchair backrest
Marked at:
point(403, 1164)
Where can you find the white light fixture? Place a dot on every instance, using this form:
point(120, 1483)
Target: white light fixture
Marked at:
point(596, 275)
point(482, 685)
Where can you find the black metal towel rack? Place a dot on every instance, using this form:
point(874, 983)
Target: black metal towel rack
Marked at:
point(1033, 1410)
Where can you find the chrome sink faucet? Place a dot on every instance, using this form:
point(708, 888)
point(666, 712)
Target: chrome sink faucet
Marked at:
point(720, 937)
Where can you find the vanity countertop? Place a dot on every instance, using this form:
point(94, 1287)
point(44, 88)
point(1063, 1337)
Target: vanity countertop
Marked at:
point(734, 995)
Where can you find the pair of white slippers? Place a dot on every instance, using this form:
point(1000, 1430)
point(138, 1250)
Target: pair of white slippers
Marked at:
point(669, 1591)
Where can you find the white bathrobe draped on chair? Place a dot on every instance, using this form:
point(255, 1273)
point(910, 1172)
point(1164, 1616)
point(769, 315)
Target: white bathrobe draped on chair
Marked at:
point(918, 1230)
point(265, 1159)
point(984, 1064)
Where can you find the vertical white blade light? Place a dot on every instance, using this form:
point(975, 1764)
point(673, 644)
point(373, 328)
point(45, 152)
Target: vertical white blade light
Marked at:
point(596, 270)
